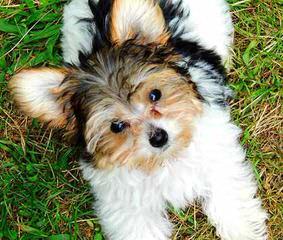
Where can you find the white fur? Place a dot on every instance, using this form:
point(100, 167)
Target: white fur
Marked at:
point(209, 23)
point(77, 34)
point(131, 204)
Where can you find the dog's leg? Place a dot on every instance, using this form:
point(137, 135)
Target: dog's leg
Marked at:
point(78, 29)
point(231, 204)
point(229, 199)
point(128, 204)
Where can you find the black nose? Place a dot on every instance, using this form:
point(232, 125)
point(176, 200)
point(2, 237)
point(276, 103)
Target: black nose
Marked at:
point(158, 138)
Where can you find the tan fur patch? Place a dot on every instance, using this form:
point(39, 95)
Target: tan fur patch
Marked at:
point(33, 90)
point(140, 19)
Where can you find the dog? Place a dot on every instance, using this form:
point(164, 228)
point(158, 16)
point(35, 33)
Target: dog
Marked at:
point(144, 93)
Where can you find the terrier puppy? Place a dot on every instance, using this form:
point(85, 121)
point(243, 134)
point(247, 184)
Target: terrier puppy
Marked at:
point(144, 92)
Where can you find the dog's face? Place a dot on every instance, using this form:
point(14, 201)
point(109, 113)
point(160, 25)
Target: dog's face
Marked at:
point(128, 100)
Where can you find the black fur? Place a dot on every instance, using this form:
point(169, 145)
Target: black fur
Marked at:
point(101, 35)
point(172, 11)
point(187, 48)
point(87, 157)
point(101, 12)
point(197, 53)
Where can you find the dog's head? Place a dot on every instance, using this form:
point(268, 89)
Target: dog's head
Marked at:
point(129, 100)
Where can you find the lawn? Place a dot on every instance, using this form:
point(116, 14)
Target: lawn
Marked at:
point(42, 193)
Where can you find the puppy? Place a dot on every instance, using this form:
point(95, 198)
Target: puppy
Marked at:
point(144, 93)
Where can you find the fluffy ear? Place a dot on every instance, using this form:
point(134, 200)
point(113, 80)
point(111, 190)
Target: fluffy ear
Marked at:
point(35, 92)
point(140, 19)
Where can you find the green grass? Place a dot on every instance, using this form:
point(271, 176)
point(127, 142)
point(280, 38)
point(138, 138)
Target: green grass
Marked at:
point(42, 193)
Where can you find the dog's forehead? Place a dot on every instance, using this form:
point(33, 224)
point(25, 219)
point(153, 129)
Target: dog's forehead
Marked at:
point(118, 88)
point(129, 59)
point(118, 72)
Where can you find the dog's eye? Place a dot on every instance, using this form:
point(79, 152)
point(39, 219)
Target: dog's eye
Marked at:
point(155, 95)
point(117, 127)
